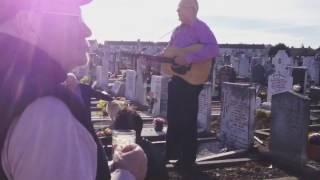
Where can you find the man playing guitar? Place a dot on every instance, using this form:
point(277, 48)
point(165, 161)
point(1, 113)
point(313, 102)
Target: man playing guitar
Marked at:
point(183, 95)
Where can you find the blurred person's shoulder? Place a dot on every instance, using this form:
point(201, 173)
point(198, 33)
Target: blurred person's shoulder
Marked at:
point(48, 111)
point(48, 119)
point(48, 104)
point(45, 127)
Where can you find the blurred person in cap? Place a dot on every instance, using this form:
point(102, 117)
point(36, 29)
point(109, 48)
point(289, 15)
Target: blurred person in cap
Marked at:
point(183, 97)
point(129, 119)
point(44, 130)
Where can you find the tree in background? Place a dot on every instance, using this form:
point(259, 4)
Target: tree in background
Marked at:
point(273, 50)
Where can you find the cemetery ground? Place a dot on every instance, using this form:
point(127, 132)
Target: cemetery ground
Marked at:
point(246, 137)
point(221, 163)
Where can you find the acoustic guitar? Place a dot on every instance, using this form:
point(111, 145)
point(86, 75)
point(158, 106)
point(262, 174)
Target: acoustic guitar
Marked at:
point(195, 73)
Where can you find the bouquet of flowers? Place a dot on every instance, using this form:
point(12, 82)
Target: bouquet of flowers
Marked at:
point(158, 124)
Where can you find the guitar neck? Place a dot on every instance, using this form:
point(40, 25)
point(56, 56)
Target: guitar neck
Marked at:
point(160, 59)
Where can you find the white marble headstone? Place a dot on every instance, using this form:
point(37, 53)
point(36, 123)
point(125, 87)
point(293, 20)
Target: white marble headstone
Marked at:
point(159, 88)
point(204, 111)
point(140, 82)
point(105, 78)
point(130, 92)
point(282, 61)
point(278, 83)
point(313, 68)
point(99, 75)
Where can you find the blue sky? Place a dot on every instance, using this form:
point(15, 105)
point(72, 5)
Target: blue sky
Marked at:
point(293, 22)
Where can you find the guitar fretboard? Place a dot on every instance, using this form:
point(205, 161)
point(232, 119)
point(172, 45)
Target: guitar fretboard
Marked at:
point(147, 57)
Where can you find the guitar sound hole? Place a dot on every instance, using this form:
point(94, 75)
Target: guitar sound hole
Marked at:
point(180, 69)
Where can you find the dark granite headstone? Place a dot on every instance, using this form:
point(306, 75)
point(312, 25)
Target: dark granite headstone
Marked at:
point(258, 73)
point(290, 120)
point(314, 94)
point(226, 74)
point(299, 75)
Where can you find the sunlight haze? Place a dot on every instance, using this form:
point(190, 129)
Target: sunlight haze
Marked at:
point(293, 22)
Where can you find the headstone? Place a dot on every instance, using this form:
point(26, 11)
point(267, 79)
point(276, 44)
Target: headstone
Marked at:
point(105, 78)
point(227, 60)
point(278, 83)
point(269, 68)
point(117, 62)
point(299, 75)
point(141, 84)
point(108, 58)
point(159, 88)
point(213, 80)
point(313, 68)
point(255, 61)
point(237, 115)
point(281, 62)
point(244, 66)
point(118, 88)
point(219, 62)
point(258, 74)
point(112, 63)
point(130, 92)
point(289, 132)
point(99, 75)
point(226, 74)
point(235, 62)
point(204, 111)
point(314, 94)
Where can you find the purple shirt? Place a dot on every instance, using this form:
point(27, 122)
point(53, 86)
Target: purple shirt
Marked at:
point(196, 33)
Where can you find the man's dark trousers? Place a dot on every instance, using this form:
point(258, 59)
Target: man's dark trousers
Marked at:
point(182, 121)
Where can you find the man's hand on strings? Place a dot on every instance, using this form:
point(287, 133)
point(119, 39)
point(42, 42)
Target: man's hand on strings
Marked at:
point(181, 60)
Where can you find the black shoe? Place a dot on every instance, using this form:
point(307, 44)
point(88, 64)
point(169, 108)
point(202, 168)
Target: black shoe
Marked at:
point(190, 173)
point(185, 170)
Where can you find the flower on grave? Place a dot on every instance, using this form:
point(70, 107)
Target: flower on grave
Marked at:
point(158, 123)
point(102, 105)
point(85, 80)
